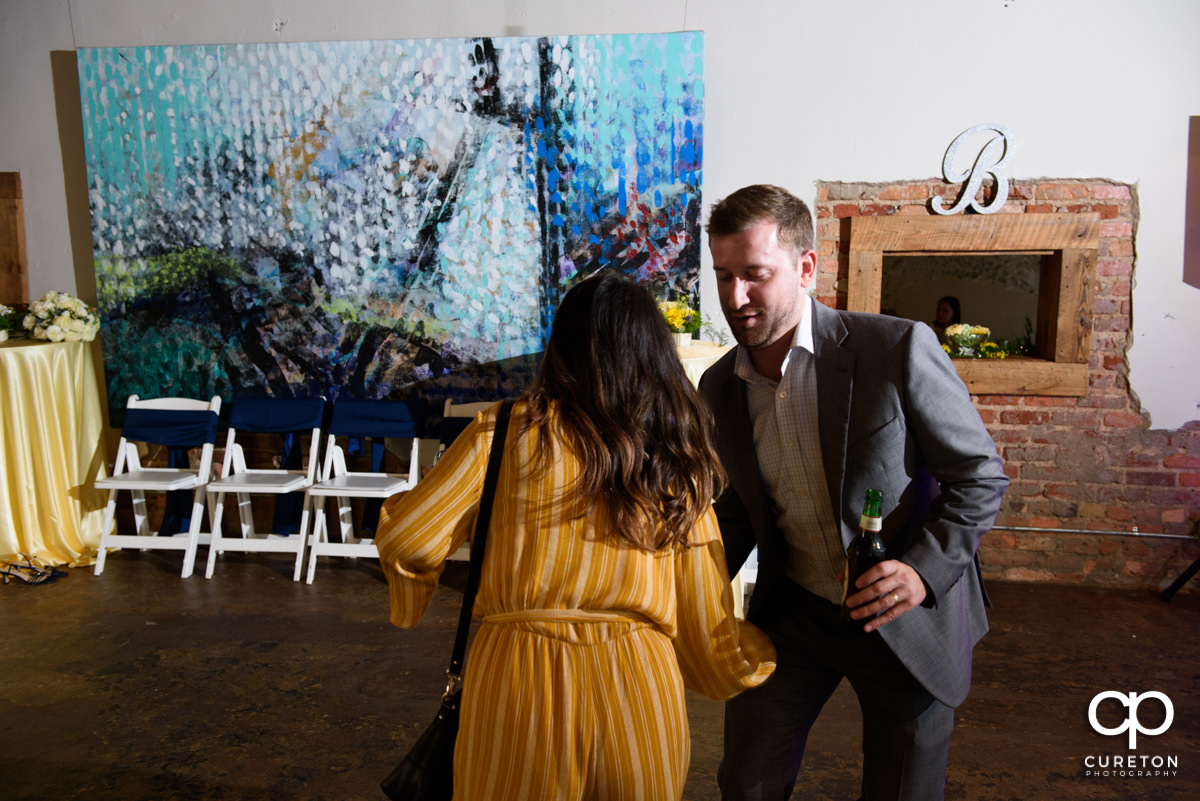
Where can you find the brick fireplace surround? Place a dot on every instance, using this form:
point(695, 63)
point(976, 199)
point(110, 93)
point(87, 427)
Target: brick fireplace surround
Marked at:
point(1077, 464)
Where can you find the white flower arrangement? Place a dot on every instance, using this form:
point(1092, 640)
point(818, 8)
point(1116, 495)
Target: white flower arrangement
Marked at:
point(60, 317)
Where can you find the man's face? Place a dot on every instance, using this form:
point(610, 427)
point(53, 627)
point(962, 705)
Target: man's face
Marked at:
point(760, 284)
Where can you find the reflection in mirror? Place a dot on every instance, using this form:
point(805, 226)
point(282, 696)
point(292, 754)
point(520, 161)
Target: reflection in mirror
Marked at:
point(997, 291)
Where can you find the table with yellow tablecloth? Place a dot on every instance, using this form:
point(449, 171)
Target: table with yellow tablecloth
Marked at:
point(52, 447)
point(697, 357)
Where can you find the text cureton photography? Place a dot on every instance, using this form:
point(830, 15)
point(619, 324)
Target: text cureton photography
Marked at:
point(1130, 765)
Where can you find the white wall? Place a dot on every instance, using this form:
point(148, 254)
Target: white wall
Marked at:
point(797, 91)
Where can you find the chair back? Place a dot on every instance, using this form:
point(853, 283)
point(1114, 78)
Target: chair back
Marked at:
point(374, 420)
point(359, 420)
point(455, 418)
point(138, 402)
point(177, 423)
point(291, 418)
point(288, 417)
point(277, 415)
point(452, 409)
point(173, 427)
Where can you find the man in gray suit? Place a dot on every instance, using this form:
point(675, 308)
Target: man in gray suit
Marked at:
point(813, 408)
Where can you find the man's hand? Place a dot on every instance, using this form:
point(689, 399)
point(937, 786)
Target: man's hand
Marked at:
point(888, 590)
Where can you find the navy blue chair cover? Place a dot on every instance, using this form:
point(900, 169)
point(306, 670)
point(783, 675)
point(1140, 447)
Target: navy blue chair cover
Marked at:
point(362, 420)
point(179, 430)
point(292, 419)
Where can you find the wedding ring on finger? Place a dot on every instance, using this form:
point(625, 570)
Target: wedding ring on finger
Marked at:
point(895, 599)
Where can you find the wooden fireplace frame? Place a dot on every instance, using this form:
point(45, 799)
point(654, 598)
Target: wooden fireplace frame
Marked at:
point(1068, 245)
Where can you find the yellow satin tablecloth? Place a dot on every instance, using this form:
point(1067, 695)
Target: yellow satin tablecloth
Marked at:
point(52, 447)
point(697, 357)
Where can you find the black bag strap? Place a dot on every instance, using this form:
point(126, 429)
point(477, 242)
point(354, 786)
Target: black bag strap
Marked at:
point(475, 569)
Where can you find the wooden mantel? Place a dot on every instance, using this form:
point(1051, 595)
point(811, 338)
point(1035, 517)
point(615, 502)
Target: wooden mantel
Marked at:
point(1069, 246)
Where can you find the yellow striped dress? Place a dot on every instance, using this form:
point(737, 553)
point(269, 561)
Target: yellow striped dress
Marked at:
point(573, 686)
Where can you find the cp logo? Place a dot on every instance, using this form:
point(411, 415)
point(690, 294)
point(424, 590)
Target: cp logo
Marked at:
point(1131, 723)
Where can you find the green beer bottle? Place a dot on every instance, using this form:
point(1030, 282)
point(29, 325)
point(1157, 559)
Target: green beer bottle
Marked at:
point(867, 549)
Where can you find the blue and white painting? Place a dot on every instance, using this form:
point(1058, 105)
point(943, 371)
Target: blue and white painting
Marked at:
point(351, 218)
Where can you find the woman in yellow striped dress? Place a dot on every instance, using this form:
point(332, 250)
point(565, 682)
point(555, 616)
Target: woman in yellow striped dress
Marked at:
point(604, 589)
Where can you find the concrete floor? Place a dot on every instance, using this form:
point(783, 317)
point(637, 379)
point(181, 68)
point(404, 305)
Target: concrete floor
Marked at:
point(139, 685)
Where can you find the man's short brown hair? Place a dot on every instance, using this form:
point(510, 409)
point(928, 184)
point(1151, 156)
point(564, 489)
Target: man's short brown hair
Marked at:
point(764, 203)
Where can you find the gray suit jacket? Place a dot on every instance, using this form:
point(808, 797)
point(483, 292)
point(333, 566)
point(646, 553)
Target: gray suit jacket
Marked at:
point(894, 416)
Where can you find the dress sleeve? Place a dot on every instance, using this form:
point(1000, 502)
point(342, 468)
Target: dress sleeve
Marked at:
point(718, 654)
point(418, 529)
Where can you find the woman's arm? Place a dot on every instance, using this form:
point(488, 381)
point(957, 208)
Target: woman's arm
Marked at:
point(418, 529)
point(718, 654)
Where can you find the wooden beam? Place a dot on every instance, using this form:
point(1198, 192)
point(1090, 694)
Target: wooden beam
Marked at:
point(1022, 375)
point(14, 283)
point(864, 290)
point(1075, 290)
point(976, 233)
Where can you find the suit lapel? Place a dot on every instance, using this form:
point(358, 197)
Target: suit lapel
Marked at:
point(835, 384)
point(735, 441)
point(735, 437)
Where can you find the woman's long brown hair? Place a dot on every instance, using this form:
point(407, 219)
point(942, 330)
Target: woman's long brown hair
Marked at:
point(628, 412)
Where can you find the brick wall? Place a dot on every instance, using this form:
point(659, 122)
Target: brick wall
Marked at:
point(1086, 464)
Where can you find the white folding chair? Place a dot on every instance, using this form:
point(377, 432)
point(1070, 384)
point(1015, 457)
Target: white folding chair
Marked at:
point(179, 424)
point(356, 421)
point(458, 415)
point(291, 418)
point(455, 417)
point(452, 409)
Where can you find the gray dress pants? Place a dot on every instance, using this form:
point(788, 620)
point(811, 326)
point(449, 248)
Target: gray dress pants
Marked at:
point(906, 731)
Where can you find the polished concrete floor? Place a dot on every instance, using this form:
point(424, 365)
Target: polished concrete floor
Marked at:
point(140, 685)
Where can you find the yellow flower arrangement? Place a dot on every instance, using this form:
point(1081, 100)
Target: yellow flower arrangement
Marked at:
point(971, 342)
point(681, 318)
point(992, 350)
point(964, 340)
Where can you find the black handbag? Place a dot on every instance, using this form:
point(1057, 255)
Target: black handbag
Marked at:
point(426, 773)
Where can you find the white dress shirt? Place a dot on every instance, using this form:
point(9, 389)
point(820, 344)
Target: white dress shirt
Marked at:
point(787, 442)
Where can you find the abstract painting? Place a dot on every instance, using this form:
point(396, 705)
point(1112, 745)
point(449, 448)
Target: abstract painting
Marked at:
point(355, 218)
